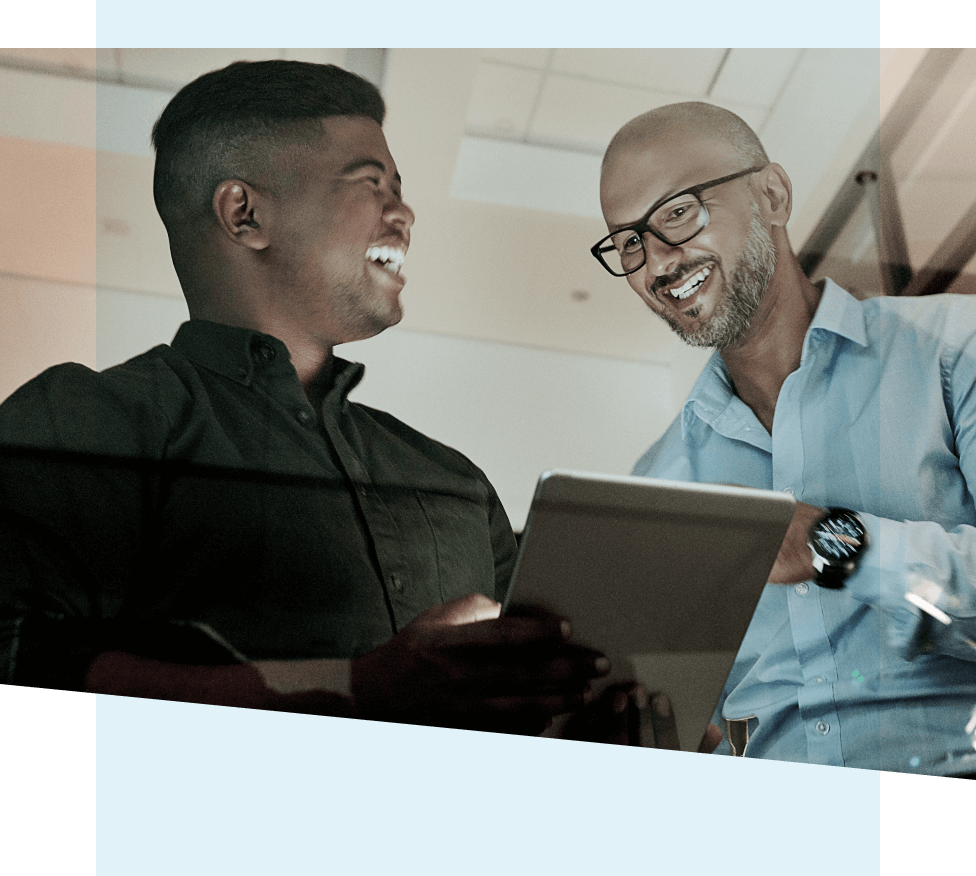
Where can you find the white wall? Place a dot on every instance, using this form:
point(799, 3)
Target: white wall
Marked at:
point(42, 323)
point(515, 410)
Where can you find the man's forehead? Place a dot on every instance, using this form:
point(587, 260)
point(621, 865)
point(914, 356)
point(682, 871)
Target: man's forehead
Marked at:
point(641, 173)
point(353, 138)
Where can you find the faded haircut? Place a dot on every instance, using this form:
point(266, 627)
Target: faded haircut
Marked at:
point(230, 121)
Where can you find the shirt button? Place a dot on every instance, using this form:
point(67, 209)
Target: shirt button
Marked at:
point(364, 492)
point(397, 583)
point(266, 352)
point(823, 728)
point(789, 491)
point(802, 589)
point(820, 679)
point(303, 417)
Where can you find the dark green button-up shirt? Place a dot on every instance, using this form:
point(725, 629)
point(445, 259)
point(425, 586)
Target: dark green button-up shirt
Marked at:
point(192, 505)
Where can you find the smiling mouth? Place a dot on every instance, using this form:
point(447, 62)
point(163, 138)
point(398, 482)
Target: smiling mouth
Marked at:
point(390, 258)
point(690, 286)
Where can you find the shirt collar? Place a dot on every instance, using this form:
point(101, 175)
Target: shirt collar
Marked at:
point(839, 313)
point(247, 356)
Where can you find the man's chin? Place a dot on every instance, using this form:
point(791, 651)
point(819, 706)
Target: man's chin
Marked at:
point(369, 325)
point(699, 337)
point(387, 318)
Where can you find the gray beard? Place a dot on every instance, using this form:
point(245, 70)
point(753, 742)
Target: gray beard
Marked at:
point(744, 290)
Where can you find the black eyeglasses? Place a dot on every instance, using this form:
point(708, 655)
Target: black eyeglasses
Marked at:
point(674, 221)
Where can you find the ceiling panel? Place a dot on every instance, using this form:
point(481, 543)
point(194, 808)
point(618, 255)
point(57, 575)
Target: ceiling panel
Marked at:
point(537, 58)
point(754, 76)
point(686, 72)
point(81, 59)
point(181, 65)
point(502, 100)
point(583, 114)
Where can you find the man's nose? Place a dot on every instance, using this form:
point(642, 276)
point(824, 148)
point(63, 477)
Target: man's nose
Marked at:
point(399, 213)
point(661, 258)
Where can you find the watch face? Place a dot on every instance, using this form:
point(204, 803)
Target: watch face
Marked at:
point(839, 537)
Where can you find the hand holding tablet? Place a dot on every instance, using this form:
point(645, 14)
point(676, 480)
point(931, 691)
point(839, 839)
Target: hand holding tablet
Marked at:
point(661, 576)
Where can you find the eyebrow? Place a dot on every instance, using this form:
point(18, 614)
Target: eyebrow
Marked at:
point(360, 163)
point(643, 219)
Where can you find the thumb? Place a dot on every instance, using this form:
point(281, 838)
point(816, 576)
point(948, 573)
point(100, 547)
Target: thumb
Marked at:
point(466, 610)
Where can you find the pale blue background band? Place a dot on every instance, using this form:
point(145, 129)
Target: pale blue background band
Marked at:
point(258, 793)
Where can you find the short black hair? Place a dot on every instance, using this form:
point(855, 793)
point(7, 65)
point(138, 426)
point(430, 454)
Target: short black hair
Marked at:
point(218, 125)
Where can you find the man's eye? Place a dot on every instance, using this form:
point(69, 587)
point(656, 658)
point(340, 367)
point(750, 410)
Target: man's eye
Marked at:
point(677, 214)
point(630, 243)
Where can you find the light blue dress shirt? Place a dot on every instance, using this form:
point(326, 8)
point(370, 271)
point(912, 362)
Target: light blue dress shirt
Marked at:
point(880, 417)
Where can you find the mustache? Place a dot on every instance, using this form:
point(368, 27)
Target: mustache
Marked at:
point(683, 270)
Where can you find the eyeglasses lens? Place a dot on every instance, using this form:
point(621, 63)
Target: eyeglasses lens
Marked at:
point(675, 221)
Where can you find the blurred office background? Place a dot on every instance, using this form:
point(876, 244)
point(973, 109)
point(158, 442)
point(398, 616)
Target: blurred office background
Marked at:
point(516, 347)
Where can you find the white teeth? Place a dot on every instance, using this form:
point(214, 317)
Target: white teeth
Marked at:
point(691, 285)
point(389, 257)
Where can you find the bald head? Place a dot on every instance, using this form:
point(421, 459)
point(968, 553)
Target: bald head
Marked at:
point(701, 121)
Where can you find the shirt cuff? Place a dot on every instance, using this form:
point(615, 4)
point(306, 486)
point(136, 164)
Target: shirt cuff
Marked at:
point(883, 580)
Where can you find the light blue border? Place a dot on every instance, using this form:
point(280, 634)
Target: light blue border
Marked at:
point(203, 790)
point(192, 789)
point(707, 23)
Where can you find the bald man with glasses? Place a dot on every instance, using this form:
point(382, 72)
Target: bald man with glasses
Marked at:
point(862, 650)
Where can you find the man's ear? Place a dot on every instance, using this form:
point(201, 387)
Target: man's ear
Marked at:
point(236, 207)
point(775, 194)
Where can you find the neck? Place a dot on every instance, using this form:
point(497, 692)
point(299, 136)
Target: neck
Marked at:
point(220, 291)
point(311, 357)
point(771, 350)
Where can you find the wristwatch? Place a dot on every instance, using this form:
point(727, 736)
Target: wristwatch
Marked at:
point(838, 541)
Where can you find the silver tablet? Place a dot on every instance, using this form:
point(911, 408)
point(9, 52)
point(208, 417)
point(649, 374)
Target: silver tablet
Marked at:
point(662, 576)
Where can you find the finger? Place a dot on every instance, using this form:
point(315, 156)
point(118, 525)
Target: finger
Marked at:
point(604, 720)
point(664, 724)
point(637, 702)
point(529, 609)
point(503, 632)
point(465, 610)
point(521, 670)
point(614, 718)
point(711, 740)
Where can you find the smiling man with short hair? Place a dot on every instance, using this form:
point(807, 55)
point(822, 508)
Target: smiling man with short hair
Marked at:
point(215, 521)
point(862, 653)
